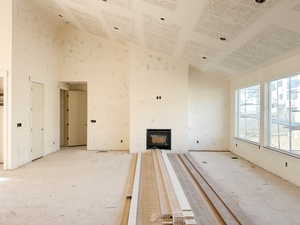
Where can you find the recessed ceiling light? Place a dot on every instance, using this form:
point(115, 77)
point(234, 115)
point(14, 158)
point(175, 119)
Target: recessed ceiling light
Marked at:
point(223, 38)
point(116, 28)
point(162, 19)
point(260, 1)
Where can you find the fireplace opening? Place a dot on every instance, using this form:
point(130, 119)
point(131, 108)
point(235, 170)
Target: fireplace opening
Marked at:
point(159, 139)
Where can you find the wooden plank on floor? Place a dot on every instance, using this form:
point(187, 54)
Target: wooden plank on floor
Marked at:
point(149, 207)
point(133, 212)
point(128, 192)
point(165, 207)
point(200, 210)
point(178, 217)
point(217, 206)
point(230, 203)
point(183, 202)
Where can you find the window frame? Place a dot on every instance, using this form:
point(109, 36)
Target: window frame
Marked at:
point(238, 113)
point(268, 145)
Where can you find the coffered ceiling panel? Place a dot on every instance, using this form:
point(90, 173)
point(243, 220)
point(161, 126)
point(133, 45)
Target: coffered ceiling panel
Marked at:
point(90, 23)
point(228, 35)
point(168, 4)
point(122, 3)
point(122, 27)
point(198, 52)
point(229, 18)
point(273, 42)
point(160, 35)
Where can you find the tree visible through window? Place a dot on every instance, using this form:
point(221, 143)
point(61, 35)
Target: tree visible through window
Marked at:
point(284, 114)
point(249, 113)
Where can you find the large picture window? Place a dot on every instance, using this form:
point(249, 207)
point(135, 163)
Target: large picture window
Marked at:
point(284, 114)
point(248, 115)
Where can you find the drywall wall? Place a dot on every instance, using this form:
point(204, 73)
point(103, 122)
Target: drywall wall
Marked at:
point(104, 65)
point(34, 58)
point(208, 111)
point(5, 34)
point(113, 86)
point(155, 75)
point(270, 160)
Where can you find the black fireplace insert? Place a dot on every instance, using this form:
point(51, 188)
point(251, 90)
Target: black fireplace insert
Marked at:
point(159, 139)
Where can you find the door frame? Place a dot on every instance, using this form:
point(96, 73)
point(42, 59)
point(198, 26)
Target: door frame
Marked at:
point(65, 89)
point(6, 145)
point(31, 124)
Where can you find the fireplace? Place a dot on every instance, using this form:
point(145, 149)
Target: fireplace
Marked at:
point(159, 139)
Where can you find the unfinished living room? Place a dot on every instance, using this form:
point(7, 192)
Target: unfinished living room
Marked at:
point(150, 112)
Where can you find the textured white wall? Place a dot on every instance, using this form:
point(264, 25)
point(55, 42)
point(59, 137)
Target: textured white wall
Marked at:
point(104, 65)
point(155, 75)
point(5, 34)
point(267, 159)
point(34, 56)
point(208, 111)
point(119, 78)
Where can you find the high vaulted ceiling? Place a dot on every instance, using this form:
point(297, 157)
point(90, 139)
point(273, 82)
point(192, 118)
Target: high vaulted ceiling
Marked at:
point(233, 36)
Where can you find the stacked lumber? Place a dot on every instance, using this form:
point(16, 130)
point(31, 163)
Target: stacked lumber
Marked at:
point(172, 189)
point(154, 195)
point(170, 193)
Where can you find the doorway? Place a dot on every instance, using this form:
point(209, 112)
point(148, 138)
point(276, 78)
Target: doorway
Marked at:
point(73, 114)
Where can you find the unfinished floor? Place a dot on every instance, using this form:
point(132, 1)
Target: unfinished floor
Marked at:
point(79, 187)
point(71, 187)
point(264, 197)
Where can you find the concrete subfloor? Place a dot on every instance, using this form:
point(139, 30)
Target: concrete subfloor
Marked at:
point(266, 198)
point(71, 187)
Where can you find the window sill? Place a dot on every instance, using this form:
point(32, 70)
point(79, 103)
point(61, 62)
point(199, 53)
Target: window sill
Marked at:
point(283, 152)
point(247, 141)
point(297, 156)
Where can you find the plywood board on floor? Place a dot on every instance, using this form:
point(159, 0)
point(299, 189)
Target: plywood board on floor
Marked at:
point(266, 198)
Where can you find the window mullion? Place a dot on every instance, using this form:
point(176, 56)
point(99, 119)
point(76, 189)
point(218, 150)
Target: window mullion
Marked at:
point(238, 113)
point(278, 133)
point(246, 127)
point(290, 116)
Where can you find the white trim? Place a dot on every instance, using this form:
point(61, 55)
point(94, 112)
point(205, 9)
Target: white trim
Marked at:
point(285, 152)
point(269, 120)
point(133, 212)
point(247, 141)
point(237, 112)
point(261, 111)
point(183, 202)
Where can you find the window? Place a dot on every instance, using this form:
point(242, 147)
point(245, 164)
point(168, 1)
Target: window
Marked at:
point(284, 114)
point(248, 115)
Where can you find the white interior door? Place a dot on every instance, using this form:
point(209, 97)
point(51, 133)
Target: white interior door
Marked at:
point(84, 113)
point(37, 120)
point(77, 118)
